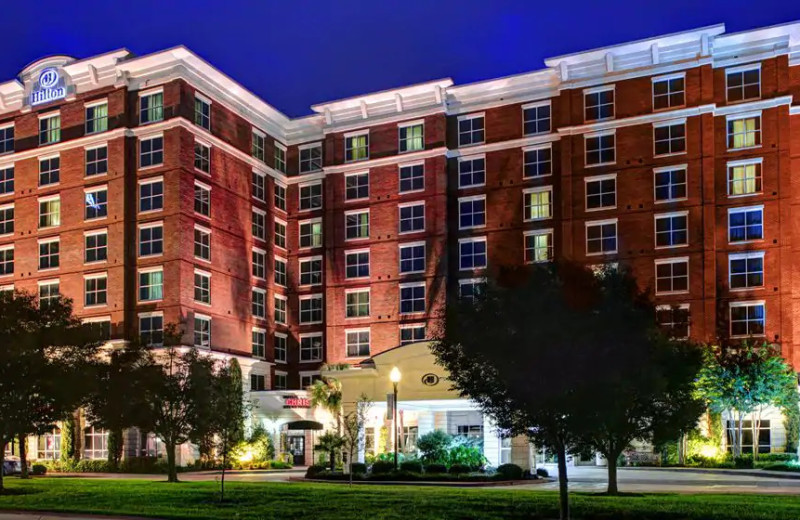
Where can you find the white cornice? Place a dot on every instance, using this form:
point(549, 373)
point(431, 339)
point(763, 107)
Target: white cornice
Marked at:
point(637, 120)
point(81, 142)
point(751, 106)
point(504, 145)
point(383, 161)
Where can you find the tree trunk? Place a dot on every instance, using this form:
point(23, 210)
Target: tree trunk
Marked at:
point(2, 463)
point(222, 480)
point(333, 460)
point(23, 456)
point(563, 490)
point(172, 471)
point(611, 459)
point(756, 427)
point(739, 431)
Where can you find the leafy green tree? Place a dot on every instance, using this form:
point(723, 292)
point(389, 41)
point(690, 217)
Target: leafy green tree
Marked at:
point(327, 394)
point(229, 413)
point(434, 446)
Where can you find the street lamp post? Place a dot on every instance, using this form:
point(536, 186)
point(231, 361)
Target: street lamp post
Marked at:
point(394, 377)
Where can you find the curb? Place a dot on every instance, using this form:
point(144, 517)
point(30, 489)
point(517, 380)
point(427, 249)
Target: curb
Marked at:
point(742, 472)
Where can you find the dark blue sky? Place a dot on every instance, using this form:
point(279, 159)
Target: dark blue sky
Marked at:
point(295, 53)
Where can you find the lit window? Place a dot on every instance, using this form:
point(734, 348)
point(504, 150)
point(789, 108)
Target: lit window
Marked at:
point(96, 161)
point(202, 287)
point(7, 180)
point(95, 443)
point(95, 290)
point(743, 83)
point(471, 172)
point(601, 192)
point(280, 347)
point(202, 157)
point(669, 183)
point(311, 233)
point(50, 129)
point(411, 137)
point(202, 199)
point(472, 253)
point(151, 285)
point(259, 257)
point(49, 212)
point(672, 275)
point(412, 178)
point(258, 145)
point(151, 329)
point(356, 147)
point(280, 157)
point(95, 247)
point(668, 92)
point(280, 233)
point(601, 237)
point(202, 243)
point(600, 149)
point(151, 239)
point(151, 107)
point(744, 177)
point(202, 331)
point(745, 224)
point(310, 348)
point(747, 319)
point(280, 309)
point(279, 274)
point(411, 334)
point(7, 139)
point(746, 270)
point(259, 224)
point(357, 303)
point(259, 185)
point(412, 218)
point(151, 195)
point(259, 304)
point(470, 129)
point(744, 132)
point(536, 118)
point(672, 229)
point(151, 152)
point(356, 264)
point(356, 225)
point(538, 246)
point(598, 103)
point(471, 212)
point(538, 203)
point(538, 161)
point(310, 196)
point(95, 203)
point(259, 343)
point(49, 254)
point(7, 219)
point(356, 186)
point(202, 112)
point(310, 158)
point(49, 171)
point(412, 258)
point(311, 271)
point(97, 118)
point(669, 138)
point(357, 343)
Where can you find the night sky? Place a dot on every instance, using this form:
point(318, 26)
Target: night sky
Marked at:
point(294, 53)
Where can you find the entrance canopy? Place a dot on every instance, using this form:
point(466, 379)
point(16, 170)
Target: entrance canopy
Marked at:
point(305, 425)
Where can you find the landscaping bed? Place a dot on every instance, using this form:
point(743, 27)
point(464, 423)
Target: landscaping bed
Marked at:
point(415, 471)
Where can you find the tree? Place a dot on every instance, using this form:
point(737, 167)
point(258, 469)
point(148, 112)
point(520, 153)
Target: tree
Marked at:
point(353, 430)
point(229, 412)
point(330, 442)
point(327, 394)
point(433, 446)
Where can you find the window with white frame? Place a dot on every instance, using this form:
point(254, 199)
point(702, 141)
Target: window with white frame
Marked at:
point(472, 253)
point(259, 258)
point(49, 253)
point(310, 196)
point(412, 258)
point(7, 219)
point(669, 91)
point(745, 224)
point(356, 224)
point(151, 107)
point(412, 298)
point(311, 270)
point(259, 186)
point(151, 284)
point(95, 203)
point(7, 139)
point(280, 347)
point(747, 319)
point(672, 229)
point(151, 194)
point(50, 129)
point(95, 443)
point(412, 178)
point(673, 320)
point(151, 239)
point(202, 199)
point(280, 309)
point(102, 324)
point(151, 151)
point(95, 246)
point(202, 331)
point(258, 382)
point(536, 118)
point(96, 160)
point(600, 149)
point(259, 342)
point(202, 157)
point(672, 275)
point(412, 217)
point(258, 298)
point(49, 292)
point(669, 138)
point(411, 136)
point(743, 83)
point(310, 348)
point(412, 333)
point(357, 343)
point(307, 379)
point(472, 212)
point(280, 196)
point(280, 276)
point(97, 117)
point(744, 177)
point(356, 264)
point(746, 270)
point(258, 145)
point(601, 192)
point(202, 243)
point(356, 147)
point(601, 237)
point(6, 180)
point(259, 224)
point(49, 445)
point(202, 111)
point(49, 212)
point(151, 329)
point(538, 246)
point(280, 233)
point(471, 129)
point(310, 158)
point(471, 289)
point(471, 171)
point(280, 157)
point(356, 186)
point(537, 203)
point(311, 233)
point(6, 260)
point(744, 131)
point(202, 287)
point(538, 161)
point(356, 303)
point(280, 381)
point(49, 170)
point(669, 183)
point(598, 103)
point(95, 289)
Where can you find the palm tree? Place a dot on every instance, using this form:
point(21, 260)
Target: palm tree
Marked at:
point(327, 394)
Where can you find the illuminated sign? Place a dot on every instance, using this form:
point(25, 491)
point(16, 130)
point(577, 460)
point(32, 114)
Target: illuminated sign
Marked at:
point(296, 402)
point(430, 380)
point(50, 87)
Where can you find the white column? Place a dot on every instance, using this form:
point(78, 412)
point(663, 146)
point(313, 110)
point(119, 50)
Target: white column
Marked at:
point(425, 422)
point(491, 441)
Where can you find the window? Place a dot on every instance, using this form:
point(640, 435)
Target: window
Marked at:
point(669, 138)
point(357, 303)
point(412, 217)
point(95, 246)
point(669, 183)
point(764, 435)
point(97, 118)
point(7, 139)
point(470, 130)
point(601, 192)
point(412, 137)
point(469, 431)
point(357, 343)
point(471, 212)
point(746, 270)
point(258, 382)
point(151, 329)
point(672, 275)
point(747, 319)
point(356, 264)
point(50, 129)
point(7, 180)
point(472, 253)
point(202, 243)
point(49, 292)
point(151, 195)
point(102, 324)
point(310, 347)
point(311, 309)
point(310, 196)
point(744, 131)
point(259, 302)
point(95, 443)
point(745, 224)
point(538, 246)
point(202, 287)
point(601, 237)
point(672, 229)
point(279, 344)
point(471, 172)
point(202, 112)
point(280, 157)
point(307, 379)
point(412, 333)
point(743, 83)
point(669, 91)
point(412, 298)
point(49, 254)
point(151, 285)
point(310, 158)
point(356, 186)
point(311, 271)
point(280, 233)
point(280, 272)
point(259, 185)
point(6, 260)
point(280, 197)
point(311, 233)
point(280, 382)
point(259, 224)
point(49, 212)
point(673, 320)
point(600, 149)
point(96, 161)
point(356, 225)
point(536, 118)
point(7, 219)
point(412, 178)
point(151, 239)
point(202, 157)
point(538, 203)
point(49, 445)
point(744, 177)
point(412, 258)
point(258, 145)
point(356, 147)
point(49, 171)
point(202, 331)
point(598, 103)
point(202, 199)
point(280, 309)
point(151, 152)
point(95, 289)
point(538, 161)
point(95, 203)
point(471, 288)
point(259, 257)
point(151, 107)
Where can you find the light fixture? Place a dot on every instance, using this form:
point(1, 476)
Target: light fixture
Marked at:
point(394, 375)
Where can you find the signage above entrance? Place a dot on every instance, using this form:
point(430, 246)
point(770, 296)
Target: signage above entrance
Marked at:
point(291, 401)
point(50, 87)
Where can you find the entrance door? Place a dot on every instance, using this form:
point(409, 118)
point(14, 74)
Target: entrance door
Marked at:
point(297, 447)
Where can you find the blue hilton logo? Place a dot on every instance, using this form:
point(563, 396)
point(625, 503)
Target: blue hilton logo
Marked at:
point(48, 88)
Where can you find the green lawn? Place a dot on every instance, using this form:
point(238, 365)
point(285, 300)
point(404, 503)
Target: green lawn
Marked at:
point(197, 501)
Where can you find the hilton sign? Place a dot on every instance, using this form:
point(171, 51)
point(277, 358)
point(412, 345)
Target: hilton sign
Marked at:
point(50, 87)
point(296, 402)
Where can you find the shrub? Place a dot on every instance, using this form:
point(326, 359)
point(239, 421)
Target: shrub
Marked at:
point(433, 446)
point(382, 467)
point(510, 471)
point(777, 457)
point(279, 464)
point(782, 466)
point(743, 462)
point(315, 471)
point(412, 466)
point(38, 469)
point(457, 469)
point(358, 468)
point(467, 454)
point(435, 468)
point(541, 472)
point(389, 457)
